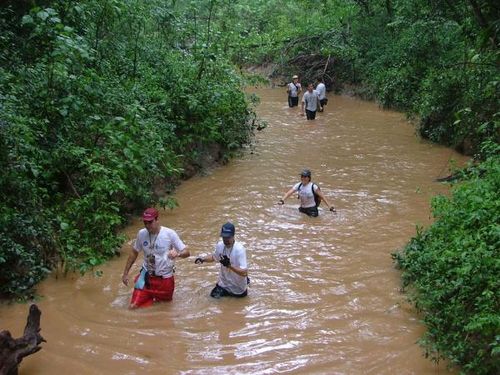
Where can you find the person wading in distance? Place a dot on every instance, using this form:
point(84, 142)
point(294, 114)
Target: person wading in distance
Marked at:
point(310, 103)
point(306, 193)
point(293, 90)
point(321, 90)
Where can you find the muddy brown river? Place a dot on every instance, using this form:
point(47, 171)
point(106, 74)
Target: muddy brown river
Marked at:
point(325, 296)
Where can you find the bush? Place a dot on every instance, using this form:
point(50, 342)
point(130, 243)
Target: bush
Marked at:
point(97, 109)
point(452, 268)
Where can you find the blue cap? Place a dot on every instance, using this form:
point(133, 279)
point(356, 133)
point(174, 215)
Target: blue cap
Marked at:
point(227, 230)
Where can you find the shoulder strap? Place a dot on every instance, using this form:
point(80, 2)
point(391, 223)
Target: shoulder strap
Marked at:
point(317, 198)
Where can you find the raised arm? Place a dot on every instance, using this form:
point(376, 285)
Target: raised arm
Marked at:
point(184, 253)
point(204, 258)
point(179, 249)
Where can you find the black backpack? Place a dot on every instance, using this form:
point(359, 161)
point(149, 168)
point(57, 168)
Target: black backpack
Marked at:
point(317, 198)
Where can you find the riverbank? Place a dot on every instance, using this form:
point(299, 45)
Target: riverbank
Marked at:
point(324, 294)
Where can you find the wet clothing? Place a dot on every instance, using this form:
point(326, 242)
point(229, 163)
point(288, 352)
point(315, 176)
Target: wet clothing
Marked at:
point(157, 289)
point(293, 101)
point(219, 292)
point(310, 115)
point(309, 211)
point(311, 103)
point(156, 281)
point(156, 248)
point(293, 94)
point(306, 196)
point(230, 281)
point(321, 90)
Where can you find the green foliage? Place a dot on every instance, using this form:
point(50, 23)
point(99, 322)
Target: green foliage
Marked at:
point(436, 60)
point(431, 61)
point(101, 102)
point(452, 271)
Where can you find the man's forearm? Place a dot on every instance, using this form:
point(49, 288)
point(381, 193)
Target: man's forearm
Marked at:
point(239, 271)
point(130, 261)
point(184, 253)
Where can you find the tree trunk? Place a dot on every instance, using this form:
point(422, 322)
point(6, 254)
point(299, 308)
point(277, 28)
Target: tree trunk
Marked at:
point(12, 351)
point(388, 8)
point(483, 22)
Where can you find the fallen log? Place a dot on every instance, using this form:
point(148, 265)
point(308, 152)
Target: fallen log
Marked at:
point(12, 351)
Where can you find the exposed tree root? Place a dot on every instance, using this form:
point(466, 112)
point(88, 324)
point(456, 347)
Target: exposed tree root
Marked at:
point(12, 351)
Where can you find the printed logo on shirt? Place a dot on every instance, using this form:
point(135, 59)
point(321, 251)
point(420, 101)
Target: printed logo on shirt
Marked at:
point(145, 243)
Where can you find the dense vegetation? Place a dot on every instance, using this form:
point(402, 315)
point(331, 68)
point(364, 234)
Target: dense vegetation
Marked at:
point(435, 59)
point(102, 101)
point(452, 271)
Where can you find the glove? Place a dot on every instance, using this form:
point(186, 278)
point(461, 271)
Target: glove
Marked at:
point(199, 260)
point(225, 261)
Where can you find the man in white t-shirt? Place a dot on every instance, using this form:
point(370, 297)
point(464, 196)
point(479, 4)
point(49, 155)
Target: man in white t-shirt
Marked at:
point(160, 246)
point(293, 90)
point(233, 276)
point(321, 90)
point(310, 103)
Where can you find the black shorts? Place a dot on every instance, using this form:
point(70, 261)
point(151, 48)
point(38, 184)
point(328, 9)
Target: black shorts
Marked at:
point(311, 115)
point(309, 211)
point(323, 101)
point(219, 292)
point(293, 101)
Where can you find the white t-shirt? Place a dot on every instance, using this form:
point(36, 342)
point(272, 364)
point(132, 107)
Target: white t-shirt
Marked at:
point(306, 194)
point(311, 100)
point(321, 90)
point(293, 89)
point(228, 279)
point(156, 248)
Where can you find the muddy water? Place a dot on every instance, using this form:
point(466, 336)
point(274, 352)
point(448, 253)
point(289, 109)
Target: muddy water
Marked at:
point(324, 297)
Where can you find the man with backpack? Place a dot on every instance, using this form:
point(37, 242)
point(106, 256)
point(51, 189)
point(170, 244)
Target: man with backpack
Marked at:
point(309, 193)
point(293, 90)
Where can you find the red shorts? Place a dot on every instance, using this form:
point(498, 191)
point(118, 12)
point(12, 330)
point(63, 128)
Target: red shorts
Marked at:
point(160, 290)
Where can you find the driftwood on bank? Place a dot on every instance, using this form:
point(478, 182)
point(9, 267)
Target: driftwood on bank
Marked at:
point(12, 351)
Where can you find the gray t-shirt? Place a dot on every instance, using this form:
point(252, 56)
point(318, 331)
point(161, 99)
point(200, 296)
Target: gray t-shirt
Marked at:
point(311, 100)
